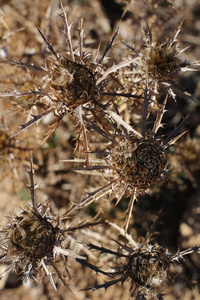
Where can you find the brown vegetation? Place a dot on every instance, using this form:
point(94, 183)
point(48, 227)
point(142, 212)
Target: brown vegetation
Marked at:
point(99, 149)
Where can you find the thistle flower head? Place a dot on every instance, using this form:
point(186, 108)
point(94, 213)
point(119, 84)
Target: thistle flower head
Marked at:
point(147, 267)
point(135, 161)
point(28, 240)
point(162, 61)
point(148, 270)
point(159, 63)
point(74, 82)
point(32, 240)
point(30, 235)
point(72, 74)
point(77, 76)
point(139, 163)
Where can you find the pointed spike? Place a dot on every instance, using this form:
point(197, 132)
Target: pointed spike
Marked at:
point(173, 141)
point(113, 69)
point(33, 121)
point(120, 122)
point(160, 114)
point(145, 110)
point(105, 250)
point(149, 33)
point(80, 37)
point(32, 186)
point(106, 285)
point(49, 46)
point(67, 32)
point(172, 137)
point(130, 209)
point(186, 252)
point(109, 46)
point(172, 41)
point(23, 65)
point(94, 196)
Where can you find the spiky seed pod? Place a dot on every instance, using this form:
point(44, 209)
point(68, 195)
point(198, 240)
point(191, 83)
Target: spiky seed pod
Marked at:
point(74, 83)
point(139, 163)
point(32, 235)
point(148, 269)
point(162, 62)
point(159, 64)
point(73, 76)
point(135, 161)
point(28, 239)
point(135, 165)
point(32, 240)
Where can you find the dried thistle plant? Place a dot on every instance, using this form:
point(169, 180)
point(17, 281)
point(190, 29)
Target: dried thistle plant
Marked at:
point(134, 162)
point(73, 81)
point(105, 100)
point(32, 241)
point(162, 59)
point(159, 64)
point(148, 267)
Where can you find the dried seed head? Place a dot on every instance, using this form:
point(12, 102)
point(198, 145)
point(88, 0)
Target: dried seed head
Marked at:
point(162, 62)
point(135, 162)
point(139, 163)
point(158, 64)
point(148, 269)
point(74, 83)
point(32, 240)
point(31, 235)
